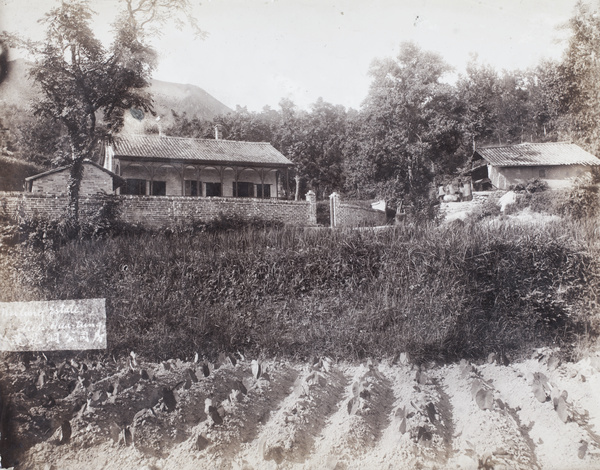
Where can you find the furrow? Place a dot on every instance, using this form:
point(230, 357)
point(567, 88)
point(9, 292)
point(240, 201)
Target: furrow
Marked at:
point(487, 434)
point(358, 424)
point(217, 445)
point(557, 444)
point(417, 431)
point(287, 438)
point(577, 380)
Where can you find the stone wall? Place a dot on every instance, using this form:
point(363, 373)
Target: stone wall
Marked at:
point(156, 211)
point(162, 211)
point(351, 215)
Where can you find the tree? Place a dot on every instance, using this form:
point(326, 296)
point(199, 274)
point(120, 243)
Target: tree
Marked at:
point(545, 86)
point(479, 91)
point(408, 126)
point(86, 87)
point(43, 142)
point(244, 125)
point(579, 76)
point(317, 146)
point(514, 123)
point(183, 126)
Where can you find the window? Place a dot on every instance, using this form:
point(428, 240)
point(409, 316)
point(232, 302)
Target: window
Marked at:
point(542, 172)
point(193, 188)
point(243, 189)
point(263, 191)
point(134, 187)
point(159, 188)
point(213, 189)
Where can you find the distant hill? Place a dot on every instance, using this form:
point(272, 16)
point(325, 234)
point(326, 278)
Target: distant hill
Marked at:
point(190, 99)
point(18, 90)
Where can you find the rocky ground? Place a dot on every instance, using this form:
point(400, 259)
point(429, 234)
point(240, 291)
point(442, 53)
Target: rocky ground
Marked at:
point(276, 414)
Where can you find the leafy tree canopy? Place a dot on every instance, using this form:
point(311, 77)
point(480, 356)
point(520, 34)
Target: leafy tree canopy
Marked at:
point(408, 126)
point(580, 75)
point(82, 80)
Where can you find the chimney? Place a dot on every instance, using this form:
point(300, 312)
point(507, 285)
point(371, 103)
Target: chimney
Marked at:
point(158, 125)
point(217, 132)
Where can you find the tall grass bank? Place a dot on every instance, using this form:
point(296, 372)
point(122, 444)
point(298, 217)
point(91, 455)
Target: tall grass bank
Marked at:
point(435, 292)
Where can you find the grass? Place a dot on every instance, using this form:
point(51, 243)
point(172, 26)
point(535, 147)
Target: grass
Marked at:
point(438, 293)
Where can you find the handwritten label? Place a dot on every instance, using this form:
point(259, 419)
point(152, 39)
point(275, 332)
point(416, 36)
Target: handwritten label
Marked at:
point(53, 325)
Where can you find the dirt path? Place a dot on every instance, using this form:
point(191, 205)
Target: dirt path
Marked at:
point(242, 414)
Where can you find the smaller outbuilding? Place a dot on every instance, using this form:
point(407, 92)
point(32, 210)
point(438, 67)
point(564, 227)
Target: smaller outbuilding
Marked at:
point(96, 179)
point(556, 163)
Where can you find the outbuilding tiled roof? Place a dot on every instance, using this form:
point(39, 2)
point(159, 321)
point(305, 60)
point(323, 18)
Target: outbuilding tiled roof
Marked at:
point(546, 154)
point(162, 148)
point(115, 177)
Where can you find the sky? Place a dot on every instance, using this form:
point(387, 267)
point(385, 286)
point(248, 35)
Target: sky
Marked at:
point(260, 51)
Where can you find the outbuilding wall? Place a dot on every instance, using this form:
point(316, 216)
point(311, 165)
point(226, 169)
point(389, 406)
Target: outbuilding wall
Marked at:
point(94, 180)
point(557, 177)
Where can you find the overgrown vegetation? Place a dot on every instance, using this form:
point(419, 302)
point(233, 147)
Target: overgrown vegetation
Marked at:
point(581, 202)
point(436, 292)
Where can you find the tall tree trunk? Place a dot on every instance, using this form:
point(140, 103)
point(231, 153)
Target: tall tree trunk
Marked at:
point(75, 176)
point(297, 196)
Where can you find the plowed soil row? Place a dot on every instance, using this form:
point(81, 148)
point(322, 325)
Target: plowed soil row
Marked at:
point(244, 414)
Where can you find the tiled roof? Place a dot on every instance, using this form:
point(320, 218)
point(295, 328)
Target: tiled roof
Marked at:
point(198, 150)
point(66, 167)
point(546, 154)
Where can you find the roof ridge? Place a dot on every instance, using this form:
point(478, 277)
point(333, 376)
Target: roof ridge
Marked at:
point(524, 143)
point(66, 167)
point(547, 143)
point(192, 138)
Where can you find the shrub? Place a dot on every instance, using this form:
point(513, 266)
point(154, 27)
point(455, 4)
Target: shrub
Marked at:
point(102, 218)
point(536, 186)
point(43, 233)
point(488, 208)
point(228, 223)
point(421, 209)
point(531, 186)
point(547, 202)
point(583, 201)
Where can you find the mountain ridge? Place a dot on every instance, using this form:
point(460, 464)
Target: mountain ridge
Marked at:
point(19, 90)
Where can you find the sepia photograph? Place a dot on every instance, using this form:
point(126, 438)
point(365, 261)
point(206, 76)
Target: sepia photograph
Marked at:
point(299, 234)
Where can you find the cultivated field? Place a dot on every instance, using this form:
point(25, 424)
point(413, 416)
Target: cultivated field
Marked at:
point(535, 413)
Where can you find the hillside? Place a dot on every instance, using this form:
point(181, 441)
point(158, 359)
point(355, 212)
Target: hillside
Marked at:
point(18, 90)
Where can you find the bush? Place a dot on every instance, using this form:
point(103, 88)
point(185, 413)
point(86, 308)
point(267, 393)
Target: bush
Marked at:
point(489, 208)
point(545, 202)
point(536, 185)
point(531, 186)
point(582, 202)
point(229, 223)
point(421, 209)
